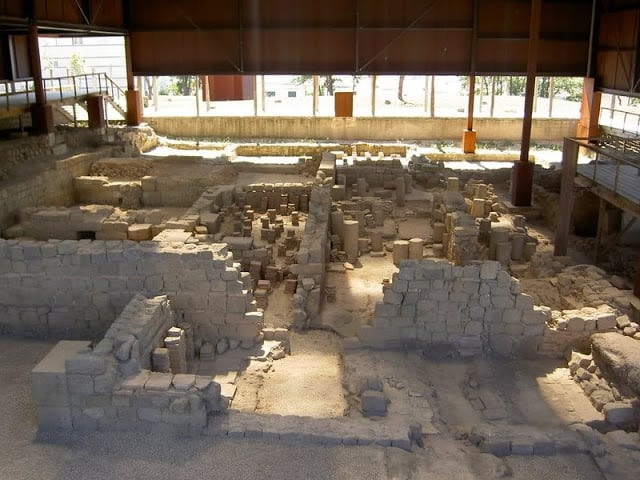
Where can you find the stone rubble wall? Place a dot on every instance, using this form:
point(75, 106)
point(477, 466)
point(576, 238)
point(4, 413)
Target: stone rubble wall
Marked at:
point(312, 257)
point(26, 149)
point(375, 172)
point(100, 191)
point(51, 187)
point(75, 289)
point(255, 195)
point(475, 309)
point(110, 386)
point(172, 192)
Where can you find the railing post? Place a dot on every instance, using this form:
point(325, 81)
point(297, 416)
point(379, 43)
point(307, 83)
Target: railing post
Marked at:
point(86, 84)
point(59, 87)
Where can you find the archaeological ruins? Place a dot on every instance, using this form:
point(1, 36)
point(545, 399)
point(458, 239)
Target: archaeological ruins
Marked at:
point(351, 292)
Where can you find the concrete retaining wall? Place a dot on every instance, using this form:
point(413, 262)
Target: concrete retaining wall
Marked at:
point(379, 128)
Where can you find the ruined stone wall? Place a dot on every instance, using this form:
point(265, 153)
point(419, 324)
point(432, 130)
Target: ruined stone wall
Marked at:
point(110, 386)
point(26, 149)
point(312, 257)
point(375, 172)
point(475, 309)
point(75, 289)
point(51, 187)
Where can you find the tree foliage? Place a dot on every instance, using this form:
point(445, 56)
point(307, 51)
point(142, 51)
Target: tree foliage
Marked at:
point(327, 84)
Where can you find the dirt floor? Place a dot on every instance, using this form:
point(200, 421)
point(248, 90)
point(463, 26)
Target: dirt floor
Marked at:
point(318, 379)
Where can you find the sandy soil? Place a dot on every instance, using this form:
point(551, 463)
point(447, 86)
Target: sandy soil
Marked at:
point(305, 383)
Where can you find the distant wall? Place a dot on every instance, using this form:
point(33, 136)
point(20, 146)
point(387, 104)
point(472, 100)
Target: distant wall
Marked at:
point(379, 128)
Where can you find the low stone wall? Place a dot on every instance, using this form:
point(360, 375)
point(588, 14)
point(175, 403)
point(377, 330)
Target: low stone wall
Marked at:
point(52, 187)
point(375, 172)
point(110, 387)
point(26, 149)
point(263, 196)
point(101, 191)
point(351, 128)
point(312, 257)
point(74, 289)
point(475, 309)
point(172, 192)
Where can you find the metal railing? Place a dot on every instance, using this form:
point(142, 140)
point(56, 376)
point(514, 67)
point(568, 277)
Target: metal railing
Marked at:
point(621, 153)
point(20, 93)
point(621, 120)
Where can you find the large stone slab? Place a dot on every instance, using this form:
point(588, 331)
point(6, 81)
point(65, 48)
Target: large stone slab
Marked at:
point(618, 355)
point(48, 378)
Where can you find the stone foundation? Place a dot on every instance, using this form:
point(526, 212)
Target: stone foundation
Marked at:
point(110, 387)
point(472, 310)
point(74, 289)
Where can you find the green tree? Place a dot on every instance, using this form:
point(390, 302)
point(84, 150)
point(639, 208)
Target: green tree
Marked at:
point(182, 85)
point(327, 85)
point(76, 65)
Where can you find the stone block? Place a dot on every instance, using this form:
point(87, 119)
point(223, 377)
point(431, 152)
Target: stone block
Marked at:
point(393, 298)
point(386, 310)
point(500, 447)
point(48, 377)
point(158, 382)
point(183, 381)
point(54, 418)
point(618, 413)
point(373, 403)
point(85, 364)
point(606, 321)
point(139, 232)
point(489, 270)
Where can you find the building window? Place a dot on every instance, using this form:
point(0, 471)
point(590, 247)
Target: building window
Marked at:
point(76, 41)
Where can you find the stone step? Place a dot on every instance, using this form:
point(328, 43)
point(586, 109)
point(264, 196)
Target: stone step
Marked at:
point(310, 431)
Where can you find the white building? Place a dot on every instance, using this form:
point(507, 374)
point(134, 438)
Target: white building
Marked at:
point(91, 55)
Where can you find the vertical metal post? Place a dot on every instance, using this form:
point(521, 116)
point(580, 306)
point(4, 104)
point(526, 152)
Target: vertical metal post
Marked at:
point(255, 95)
point(316, 89)
point(552, 93)
point(154, 87)
point(432, 101)
point(374, 80)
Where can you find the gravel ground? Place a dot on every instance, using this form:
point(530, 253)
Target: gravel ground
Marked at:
point(25, 454)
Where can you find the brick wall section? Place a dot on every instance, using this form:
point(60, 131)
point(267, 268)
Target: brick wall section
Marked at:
point(75, 289)
point(475, 309)
point(111, 388)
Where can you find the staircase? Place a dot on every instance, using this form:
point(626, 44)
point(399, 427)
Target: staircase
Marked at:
point(67, 95)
